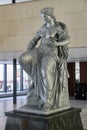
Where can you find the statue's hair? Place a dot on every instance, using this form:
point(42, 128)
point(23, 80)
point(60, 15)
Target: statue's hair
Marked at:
point(47, 11)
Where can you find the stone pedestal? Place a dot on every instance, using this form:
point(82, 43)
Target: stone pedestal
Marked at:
point(63, 120)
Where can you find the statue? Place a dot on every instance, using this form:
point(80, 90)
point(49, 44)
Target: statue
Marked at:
point(47, 65)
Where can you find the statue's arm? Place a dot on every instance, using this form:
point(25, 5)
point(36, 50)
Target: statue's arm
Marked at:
point(34, 41)
point(63, 42)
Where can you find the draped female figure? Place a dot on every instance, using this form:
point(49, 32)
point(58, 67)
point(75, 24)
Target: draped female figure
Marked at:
point(47, 64)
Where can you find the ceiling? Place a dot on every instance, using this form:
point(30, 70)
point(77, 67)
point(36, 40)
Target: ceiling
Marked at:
point(75, 54)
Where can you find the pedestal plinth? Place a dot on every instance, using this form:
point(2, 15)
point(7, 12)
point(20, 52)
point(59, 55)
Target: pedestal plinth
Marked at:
point(63, 120)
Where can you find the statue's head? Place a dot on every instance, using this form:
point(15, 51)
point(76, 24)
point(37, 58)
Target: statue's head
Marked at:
point(49, 11)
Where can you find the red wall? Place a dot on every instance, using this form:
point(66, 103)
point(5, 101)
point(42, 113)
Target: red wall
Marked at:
point(83, 72)
point(71, 80)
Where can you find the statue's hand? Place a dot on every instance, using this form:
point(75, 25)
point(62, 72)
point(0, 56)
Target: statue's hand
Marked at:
point(30, 45)
point(50, 42)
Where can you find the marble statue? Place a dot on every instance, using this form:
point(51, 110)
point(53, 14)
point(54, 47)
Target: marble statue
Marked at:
point(47, 65)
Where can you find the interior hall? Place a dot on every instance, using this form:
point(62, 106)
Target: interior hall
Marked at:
point(19, 21)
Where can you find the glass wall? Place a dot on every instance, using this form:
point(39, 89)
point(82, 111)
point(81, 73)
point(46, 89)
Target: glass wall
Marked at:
point(77, 71)
point(2, 2)
point(6, 78)
point(18, 78)
point(1, 78)
point(25, 80)
point(18, 1)
point(9, 78)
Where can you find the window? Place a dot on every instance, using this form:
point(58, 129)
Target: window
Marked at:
point(9, 78)
point(18, 1)
point(18, 77)
point(1, 78)
point(25, 80)
point(2, 2)
point(77, 71)
point(6, 78)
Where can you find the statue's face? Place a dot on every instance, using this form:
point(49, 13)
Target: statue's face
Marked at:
point(46, 18)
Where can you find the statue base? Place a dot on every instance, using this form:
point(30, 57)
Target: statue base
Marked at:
point(36, 110)
point(63, 120)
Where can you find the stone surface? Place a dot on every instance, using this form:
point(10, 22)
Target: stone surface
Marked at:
point(64, 120)
point(46, 64)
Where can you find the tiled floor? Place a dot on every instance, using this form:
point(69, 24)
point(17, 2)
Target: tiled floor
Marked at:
point(6, 104)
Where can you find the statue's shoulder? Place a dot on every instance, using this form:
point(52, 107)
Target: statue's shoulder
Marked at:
point(41, 29)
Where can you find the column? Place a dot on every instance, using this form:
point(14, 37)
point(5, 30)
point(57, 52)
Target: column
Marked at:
point(5, 77)
point(14, 81)
point(13, 1)
point(21, 78)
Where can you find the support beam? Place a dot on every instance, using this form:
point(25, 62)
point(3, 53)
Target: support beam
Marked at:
point(13, 1)
point(21, 78)
point(5, 77)
point(14, 81)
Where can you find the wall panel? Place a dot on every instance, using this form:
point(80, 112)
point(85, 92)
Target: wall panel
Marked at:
point(71, 79)
point(22, 20)
point(83, 72)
